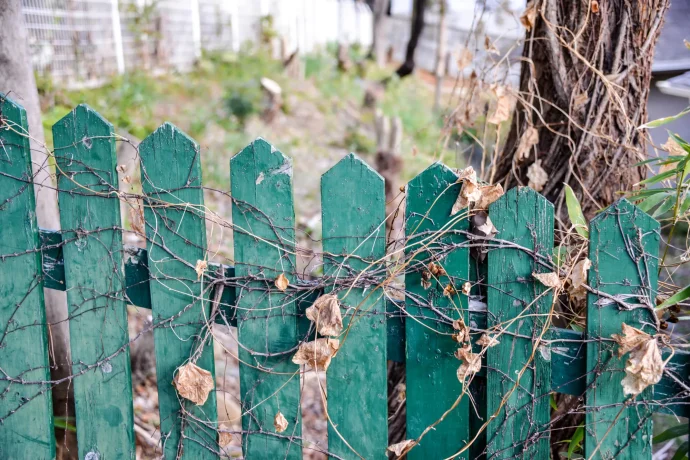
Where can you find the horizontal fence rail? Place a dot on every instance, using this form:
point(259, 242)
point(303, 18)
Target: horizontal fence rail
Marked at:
point(453, 296)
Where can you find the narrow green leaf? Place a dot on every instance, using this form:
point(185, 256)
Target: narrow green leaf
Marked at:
point(673, 432)
point(658, 178)
point(575, 212)
point(576, 442)
point(662, 121)
point(652, 200)
point(552, 401)
point(665, 206)
point(675, 298)
point(682, 452)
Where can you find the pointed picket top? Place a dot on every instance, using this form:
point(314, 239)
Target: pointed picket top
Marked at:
point(515, 193)
point(169, 131)
point(94, 117)
point(642, 219)
point(263, 157)
point(436, 170)
point(352, 162)
point(11, 110)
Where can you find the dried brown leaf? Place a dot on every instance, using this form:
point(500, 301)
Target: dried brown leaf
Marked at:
point(127, 180)
point(436, 269)
point(489, 46)
point(200, 268)
point(489, 194)
point(485, 227)
point(426, 279)
point(280, 422)
point(578, 280)
point(465, 57)
point(595, 6)
point(224, 438)
point(463, 332)
point(503, 106)
point(121, 168)
point(537, 176)
point(193, 383)
point(471, 362)
point(487, 341)
point(470, 191)
point(449, 290)
point(325, 313)
point(399, 448)
point(644, 368)
point(136, 218)
point(630, 339)
point(529, 139)
point(529, 16)
point(466, 287)
point(548, 279)
point(281, 282)
point(317, 354)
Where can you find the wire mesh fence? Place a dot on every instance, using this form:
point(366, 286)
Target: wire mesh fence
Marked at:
point(84, 42)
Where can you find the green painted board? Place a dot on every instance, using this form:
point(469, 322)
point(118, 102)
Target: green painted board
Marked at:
point(94, 278)
point(176, 233)
point(264, 235)
point(432, 383)
point(623, 248)
point(354, 241)
point(26, 411)
point(520, 427)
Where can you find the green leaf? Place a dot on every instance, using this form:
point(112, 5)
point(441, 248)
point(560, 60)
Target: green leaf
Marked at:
point(559, 255)
point(662, 121)
point(659, 177)
point(671, 433)
point(575, 212)
point(64, 423)
point(665, 206)
point(576, 442)
point(675, 298)
point(552, 401)
point(652, 200)
point(682, 452)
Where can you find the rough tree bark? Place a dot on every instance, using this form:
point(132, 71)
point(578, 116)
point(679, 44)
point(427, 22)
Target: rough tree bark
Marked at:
point(416, 27)
point(17, 80)
point(583, 86)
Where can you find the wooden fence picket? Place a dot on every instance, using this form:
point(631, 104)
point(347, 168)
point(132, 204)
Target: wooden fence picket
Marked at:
point(26, 411)
point(264, 239)
point(94, 280)
point(624, 249)
point(519, 368)
point(176, 233)
point(354, 240)
point(432, 382)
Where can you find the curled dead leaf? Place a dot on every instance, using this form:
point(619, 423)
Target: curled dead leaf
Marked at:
point(644, 366)
point(489, 194)
point(426, 279)
point(462, 333)
point(127, 180)
point(317, 354)
point(193, 383)
point(537, 176)
point(465, 57)
point(224, 438)
point(281, 282)
point(466, 287)
point(200, 268)
point(280, 423)
point(401, 447)
point(550, 279)
point(487, 341)
point(401, 388)
point(483, 226)
point(489, 46)
point(449, 290)
point(529, 139)
point(471, 362)
point(325, 313)
point(578, 280)
point(470, 191)
point(436, 270)
point(121, 168)
point(595, 6)
point(503, 106)
point(529, 16)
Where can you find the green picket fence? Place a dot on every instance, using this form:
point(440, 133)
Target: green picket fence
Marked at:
point(101, 276)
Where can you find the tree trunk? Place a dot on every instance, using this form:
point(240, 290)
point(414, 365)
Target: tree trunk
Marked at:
point(584, 86)
point(440, 55)
point(416, 27)
point(18, 82)
point(378, 42)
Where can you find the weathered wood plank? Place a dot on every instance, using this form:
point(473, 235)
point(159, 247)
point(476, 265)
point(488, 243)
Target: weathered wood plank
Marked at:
point(94, 279)
point(432, 383)
point(26, 412)
point(354, 241)
point(624, 249)
point(264, 238)
point(176, 233)
point(519, 368)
